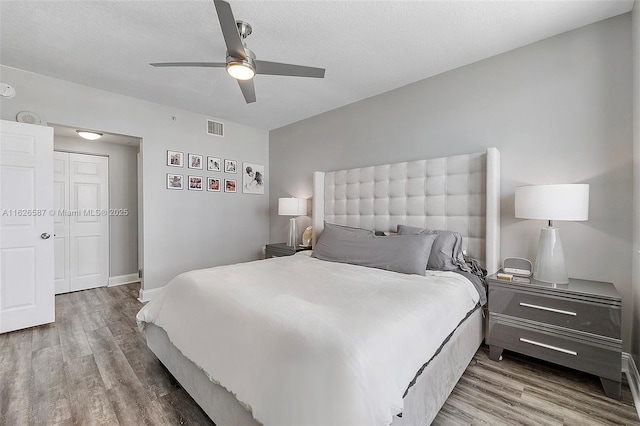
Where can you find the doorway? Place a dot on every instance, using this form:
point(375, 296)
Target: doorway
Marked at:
point(118, 237)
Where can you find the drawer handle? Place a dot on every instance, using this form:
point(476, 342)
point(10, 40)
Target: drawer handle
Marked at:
point(544, 308)
point(544, 345)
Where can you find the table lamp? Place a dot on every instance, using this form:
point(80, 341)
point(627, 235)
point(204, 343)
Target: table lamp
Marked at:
point(292, 207)
point(552, 202)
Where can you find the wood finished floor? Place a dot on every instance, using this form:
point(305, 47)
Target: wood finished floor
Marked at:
point(92, 366)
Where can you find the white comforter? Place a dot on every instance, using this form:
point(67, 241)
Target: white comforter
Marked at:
point(300, 341)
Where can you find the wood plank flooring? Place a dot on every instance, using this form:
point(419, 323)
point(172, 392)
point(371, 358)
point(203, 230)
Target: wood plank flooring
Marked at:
point(92, 366)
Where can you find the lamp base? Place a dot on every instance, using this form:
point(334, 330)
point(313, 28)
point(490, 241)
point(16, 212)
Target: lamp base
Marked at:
point(550, 266)
point(293, 233)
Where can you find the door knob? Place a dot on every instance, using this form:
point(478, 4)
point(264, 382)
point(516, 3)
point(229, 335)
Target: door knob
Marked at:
point(44, 236)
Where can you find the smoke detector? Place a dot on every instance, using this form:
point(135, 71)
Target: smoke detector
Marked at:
point(6, 91)
point(28, 117)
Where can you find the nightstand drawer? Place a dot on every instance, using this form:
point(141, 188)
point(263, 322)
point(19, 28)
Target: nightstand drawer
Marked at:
point(599, 356)
point(590, 317)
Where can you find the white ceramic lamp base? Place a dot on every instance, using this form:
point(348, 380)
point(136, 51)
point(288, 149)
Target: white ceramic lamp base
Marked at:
point(550, 266)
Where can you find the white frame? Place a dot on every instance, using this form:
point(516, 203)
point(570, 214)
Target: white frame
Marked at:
point(213, 169)
point(170, 153)
point(181, 181)
point(228, 164)
point(191, 157)
point(189, 182)
point(247, 180)
point(235, 185)
point(209, 179)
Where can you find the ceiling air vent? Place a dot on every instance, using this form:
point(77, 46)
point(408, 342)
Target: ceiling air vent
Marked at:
point(215, 128)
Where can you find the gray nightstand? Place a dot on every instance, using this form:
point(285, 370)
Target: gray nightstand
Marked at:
point(282, 249)
point(576, 325)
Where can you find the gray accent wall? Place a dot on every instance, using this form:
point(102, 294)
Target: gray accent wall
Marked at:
point(182, 230)
point(559, 111)
point(123, 194)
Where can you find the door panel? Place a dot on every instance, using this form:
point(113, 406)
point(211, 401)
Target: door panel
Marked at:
point(89, 229)
point(61, 221)
point(26, 198)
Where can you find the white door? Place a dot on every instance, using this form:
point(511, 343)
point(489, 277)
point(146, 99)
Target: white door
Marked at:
point(62, 283)
point(88, 221)
point(26, 249)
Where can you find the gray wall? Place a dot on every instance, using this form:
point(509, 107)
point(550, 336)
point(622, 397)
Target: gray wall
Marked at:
point(183, 230)
point(558, 110)
point(123, 194)
point(636, 179)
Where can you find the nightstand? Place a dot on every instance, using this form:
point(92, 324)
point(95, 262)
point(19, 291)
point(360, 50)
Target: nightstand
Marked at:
point(282, 249)
point(576, 325)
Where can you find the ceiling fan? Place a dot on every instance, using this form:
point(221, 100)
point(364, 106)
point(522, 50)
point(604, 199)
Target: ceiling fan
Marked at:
point(241, 62)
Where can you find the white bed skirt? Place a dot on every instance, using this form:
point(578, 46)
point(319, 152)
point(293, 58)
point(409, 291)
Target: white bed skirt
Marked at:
point(421, 405)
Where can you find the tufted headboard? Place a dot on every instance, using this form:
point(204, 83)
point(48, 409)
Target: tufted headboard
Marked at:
point(459, 193)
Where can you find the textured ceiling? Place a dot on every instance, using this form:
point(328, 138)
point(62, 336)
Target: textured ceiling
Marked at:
point(367, 47)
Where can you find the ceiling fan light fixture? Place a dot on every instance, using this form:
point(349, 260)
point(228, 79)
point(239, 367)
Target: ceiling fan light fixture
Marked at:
point(241, 70)
point(86, 134)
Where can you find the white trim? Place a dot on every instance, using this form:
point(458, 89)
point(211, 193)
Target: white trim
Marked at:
point(123, 279)
point(633, 377)
point(146, 295)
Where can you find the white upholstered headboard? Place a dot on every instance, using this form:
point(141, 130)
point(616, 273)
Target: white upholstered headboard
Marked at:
point(459, 193)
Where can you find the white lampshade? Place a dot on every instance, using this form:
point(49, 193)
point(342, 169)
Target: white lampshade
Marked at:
point(292, 206)
point(553, 202)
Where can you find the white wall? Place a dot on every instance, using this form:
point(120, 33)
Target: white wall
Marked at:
point(558, 110)
point(123, 194)
point(636, 180)
point(183, 230)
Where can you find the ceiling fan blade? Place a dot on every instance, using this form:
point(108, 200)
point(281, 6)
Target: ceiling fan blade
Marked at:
point(189, 64)
point(248, 90)
point(277, 68)
point(229, 29)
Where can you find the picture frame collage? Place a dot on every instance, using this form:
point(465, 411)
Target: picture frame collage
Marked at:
point(253, 174)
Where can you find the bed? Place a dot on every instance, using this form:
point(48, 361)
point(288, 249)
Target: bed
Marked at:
point(266, 352)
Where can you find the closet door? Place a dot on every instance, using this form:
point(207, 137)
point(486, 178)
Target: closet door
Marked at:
point(89, 228)
point(61, 222)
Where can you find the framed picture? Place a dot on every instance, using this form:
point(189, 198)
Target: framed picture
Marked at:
point(175, 159)
point(174, 181)
point(230, 185)
point(195, 183)
point(230, 166)
point(253, 180)
point(195, 161)
point(213, 184)
point(214, 164)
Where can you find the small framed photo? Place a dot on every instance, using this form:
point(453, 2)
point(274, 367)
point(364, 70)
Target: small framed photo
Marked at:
point(213, 184)
point(214, 164)
point(230, 166)
point(195, 161)
point(253, 178)
point(174, 181)
point(195, 183)
point(175, 159)
point(230, 185)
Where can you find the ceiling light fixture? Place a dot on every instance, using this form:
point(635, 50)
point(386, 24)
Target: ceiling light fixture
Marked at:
point(86, 134)
point(241, 69)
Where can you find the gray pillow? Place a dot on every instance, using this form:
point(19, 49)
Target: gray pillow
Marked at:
point(447, 248)
point(406, 254)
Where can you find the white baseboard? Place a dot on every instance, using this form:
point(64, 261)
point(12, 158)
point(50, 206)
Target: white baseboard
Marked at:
point(146, 295)
point(633, 377)
point(123, 279)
